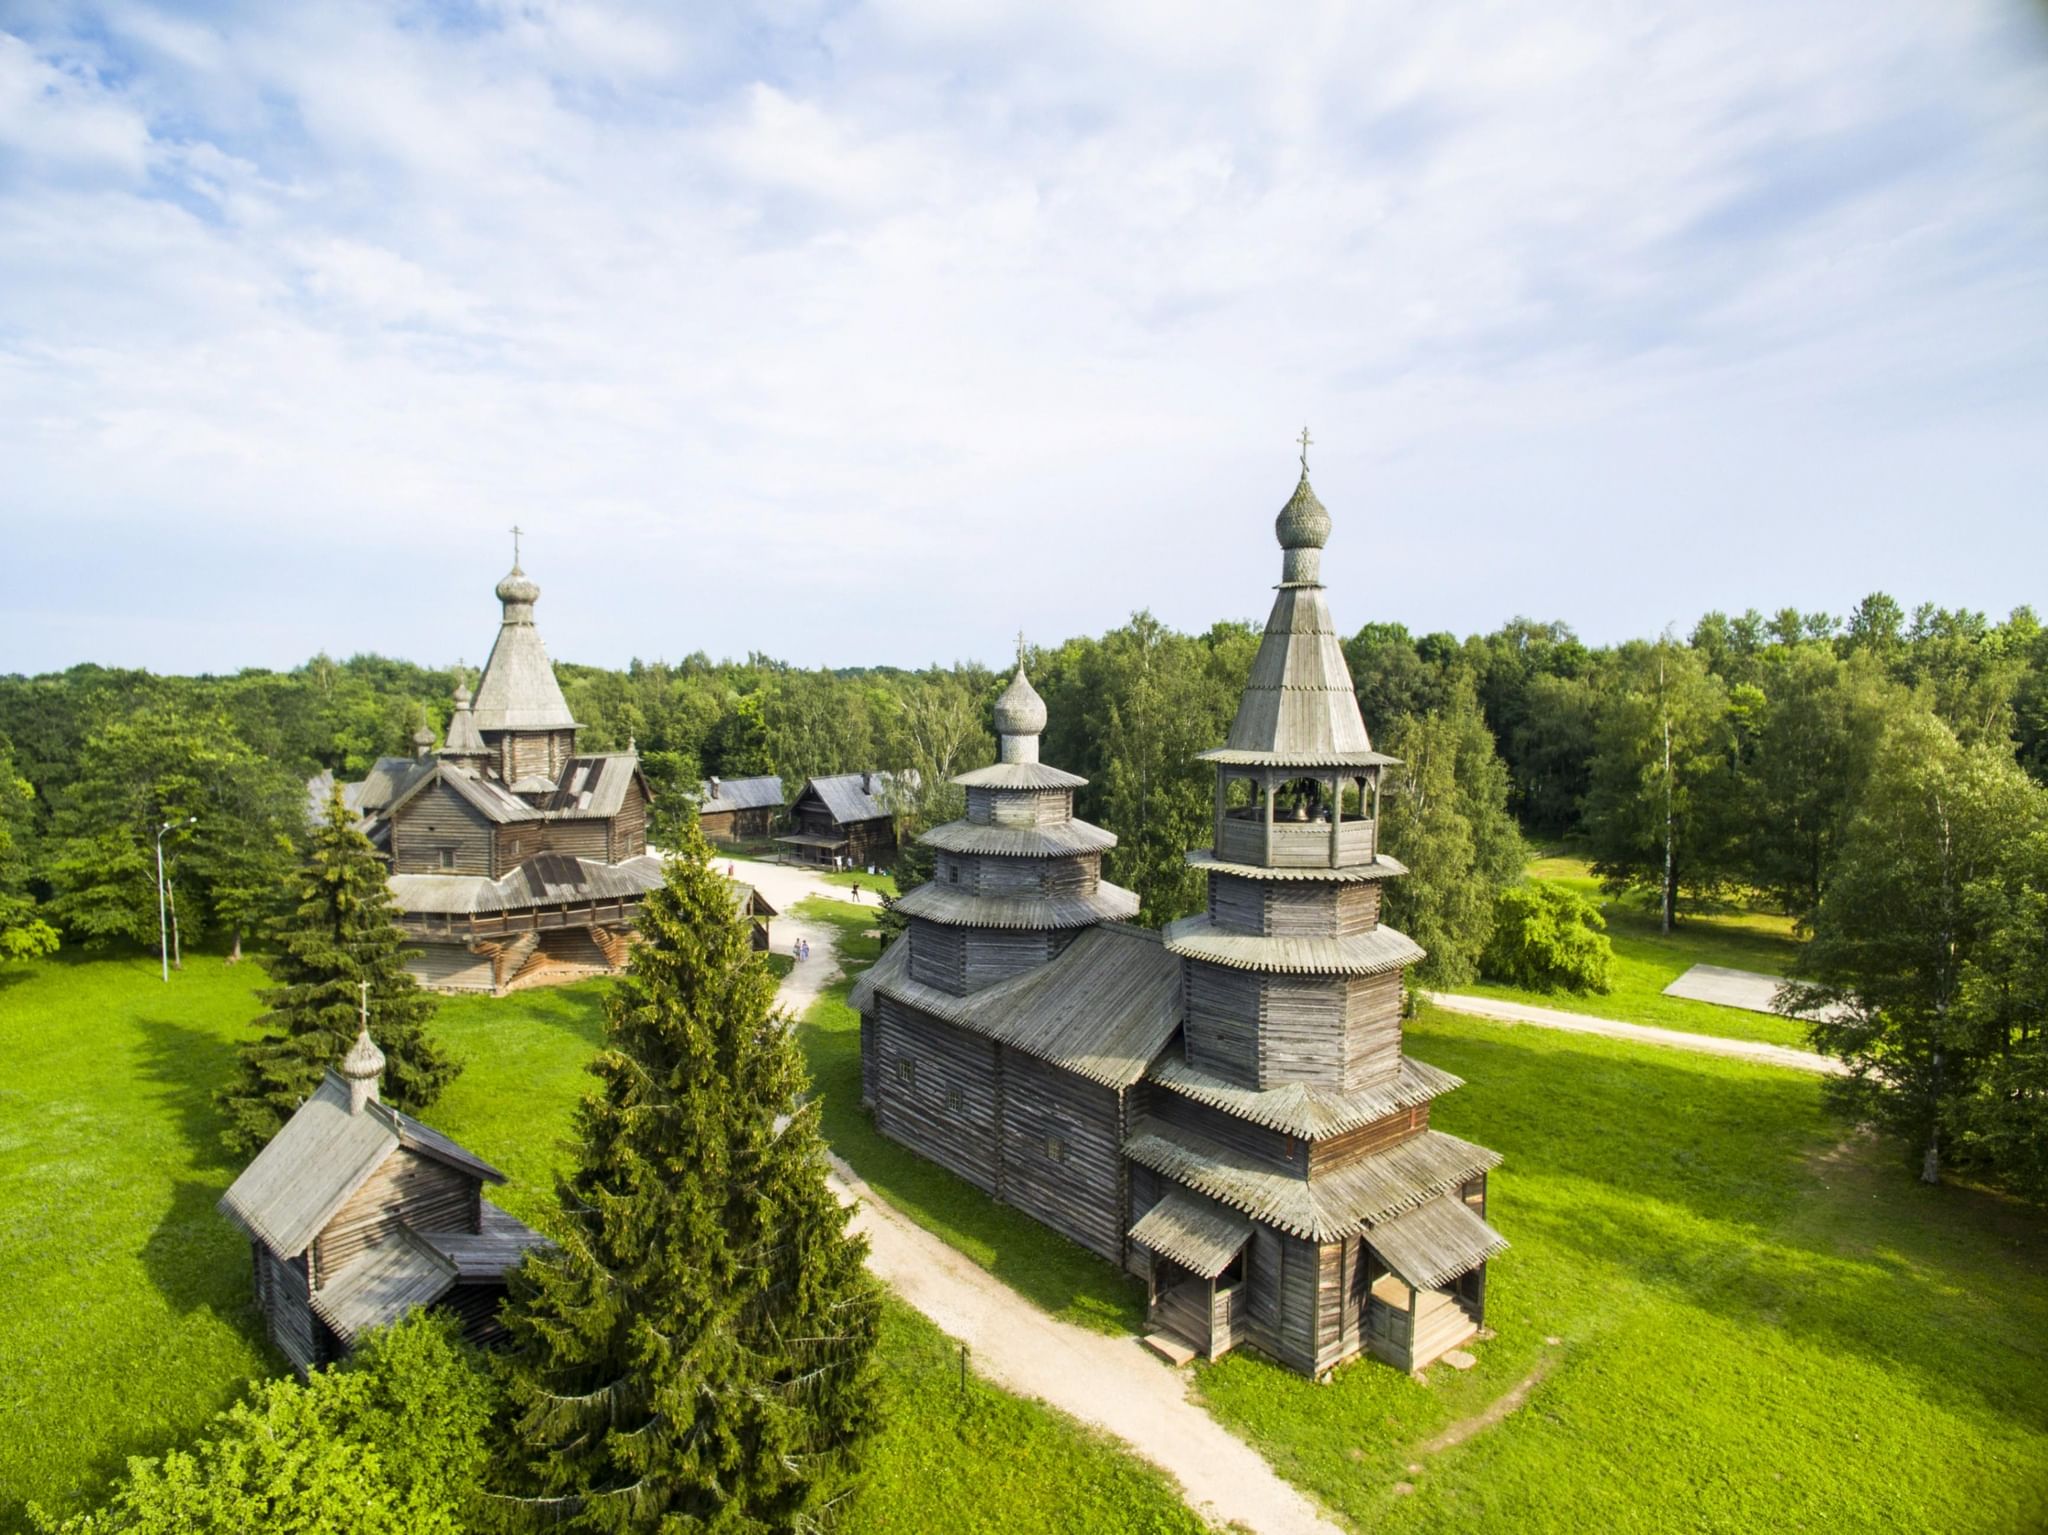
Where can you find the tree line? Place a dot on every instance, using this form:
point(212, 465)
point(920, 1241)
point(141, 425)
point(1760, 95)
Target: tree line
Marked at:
point(1734, 764)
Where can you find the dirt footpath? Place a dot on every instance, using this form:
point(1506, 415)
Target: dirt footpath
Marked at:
point(1638, 1033)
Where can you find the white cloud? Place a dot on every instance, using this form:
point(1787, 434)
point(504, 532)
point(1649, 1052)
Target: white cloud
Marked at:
point(777, 326)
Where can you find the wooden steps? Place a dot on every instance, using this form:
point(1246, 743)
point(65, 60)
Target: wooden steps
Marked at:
point(1173, 1350)
point(1440, 1326)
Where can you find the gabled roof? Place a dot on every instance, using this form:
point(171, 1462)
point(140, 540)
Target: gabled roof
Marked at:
point(595, 786)
point(383, 1284)
point(321, 1156)
point(1434, 1243)
point(739, 794)
point(847, 801)
point(1103, 1010)
point(498, 804)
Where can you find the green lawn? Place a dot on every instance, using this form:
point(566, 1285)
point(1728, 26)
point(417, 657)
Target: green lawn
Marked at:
point(1646, 961)
point(1065, 1280)
point(1761, 1326)
point(124, 1297)
point(869, 883)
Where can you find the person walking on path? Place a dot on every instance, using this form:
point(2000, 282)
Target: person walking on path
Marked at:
point(856, 892)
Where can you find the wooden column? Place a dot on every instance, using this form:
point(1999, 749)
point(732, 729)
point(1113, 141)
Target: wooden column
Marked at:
point(1334, 787)
point(1266, 783)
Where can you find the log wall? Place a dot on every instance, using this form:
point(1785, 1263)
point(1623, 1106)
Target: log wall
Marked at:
point(1062, 1156)
point(1372, 1028)
point(438, 820)
point(285, 1297)
point(1223, 1022)
point(935, 1092)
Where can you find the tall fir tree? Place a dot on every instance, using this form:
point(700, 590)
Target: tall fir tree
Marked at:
point(697, 1351)
point(341, 935)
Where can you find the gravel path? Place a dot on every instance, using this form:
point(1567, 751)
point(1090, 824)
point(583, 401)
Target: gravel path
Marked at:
point(1642, 1034)
point(1109, 1383)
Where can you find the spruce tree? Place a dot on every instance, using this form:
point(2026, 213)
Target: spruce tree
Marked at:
point(696, 1352)
point(341, 935)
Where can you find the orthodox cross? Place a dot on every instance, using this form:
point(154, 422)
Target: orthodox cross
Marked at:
point(515, 537)
point(1306, 440)
point(1020, 650)
point(364, 988)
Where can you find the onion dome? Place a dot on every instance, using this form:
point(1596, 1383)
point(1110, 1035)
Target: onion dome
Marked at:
point(462, 695)
point(362, 1066)
point(422, 741)
point(1302, 523)
point(519, 587)
point(1020, 711)
point(1020, 719)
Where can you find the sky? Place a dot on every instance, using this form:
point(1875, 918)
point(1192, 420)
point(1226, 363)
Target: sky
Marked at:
point(881, 333)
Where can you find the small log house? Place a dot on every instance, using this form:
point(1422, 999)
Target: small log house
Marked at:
point(1224, 1108)
point(845, 816)
point(730, 809)
point(357, 1214)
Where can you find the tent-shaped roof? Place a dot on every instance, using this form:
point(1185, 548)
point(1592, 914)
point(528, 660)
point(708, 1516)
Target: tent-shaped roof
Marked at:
point(518, 690)
point(1298, 708)
point(321, 1157)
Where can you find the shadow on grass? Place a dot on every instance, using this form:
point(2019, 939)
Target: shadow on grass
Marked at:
point(1704, 1181)
point(188, 1065)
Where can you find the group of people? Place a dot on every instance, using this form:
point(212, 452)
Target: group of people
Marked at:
point(802, 950)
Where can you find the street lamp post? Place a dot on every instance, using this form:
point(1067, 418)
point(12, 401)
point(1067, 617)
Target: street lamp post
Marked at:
point(163, 932)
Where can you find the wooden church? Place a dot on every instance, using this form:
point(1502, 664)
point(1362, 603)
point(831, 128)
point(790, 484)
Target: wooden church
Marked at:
point(357, 1214)
point(1223, 1108)
point(515, 859)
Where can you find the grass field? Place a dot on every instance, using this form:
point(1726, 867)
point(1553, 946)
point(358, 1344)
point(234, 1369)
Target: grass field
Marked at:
point(124, 1297)
point(1646, 961)
point(1761, 1325)
point(1065, 1280)
point(869, 883)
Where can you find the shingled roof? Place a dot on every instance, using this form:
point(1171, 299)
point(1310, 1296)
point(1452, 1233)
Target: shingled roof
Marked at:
point(321, 1156)
point(543, 878)
point(1104, 1009)
point(518, 690)
point(853, 797)
point(1298, 708)
point(717, 795)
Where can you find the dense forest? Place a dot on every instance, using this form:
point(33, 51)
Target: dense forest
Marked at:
point(1879, 778)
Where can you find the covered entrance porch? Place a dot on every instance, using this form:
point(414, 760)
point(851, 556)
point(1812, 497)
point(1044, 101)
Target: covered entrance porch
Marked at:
point(1427, 1293)
point(1196, 1292)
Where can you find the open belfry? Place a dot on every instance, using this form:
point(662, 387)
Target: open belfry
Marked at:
point(1224, 1109)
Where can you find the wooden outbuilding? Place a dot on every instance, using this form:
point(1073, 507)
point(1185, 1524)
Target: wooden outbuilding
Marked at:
point(845, 817)
point(731, 809)
point(357, 1214)
point(515, 859)
point(1225, 1108)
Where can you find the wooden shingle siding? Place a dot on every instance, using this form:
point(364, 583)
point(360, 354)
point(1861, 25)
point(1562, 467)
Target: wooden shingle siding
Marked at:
point(1372, 1028)
point(944, 1107)
point(1223, 1022)
point(1079, 1194)
point(418, 1191)
point(435, 819)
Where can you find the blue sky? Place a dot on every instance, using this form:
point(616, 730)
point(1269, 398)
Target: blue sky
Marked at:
point(877, 333)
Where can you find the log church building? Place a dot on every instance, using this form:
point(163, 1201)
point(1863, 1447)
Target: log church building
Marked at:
point(515, 859)
point(1223, 1108)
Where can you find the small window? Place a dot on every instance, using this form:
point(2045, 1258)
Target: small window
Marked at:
point(1055, 1148)
point(447, 857)
point(956, 1099)
point(906, 1071)
point(953, 873)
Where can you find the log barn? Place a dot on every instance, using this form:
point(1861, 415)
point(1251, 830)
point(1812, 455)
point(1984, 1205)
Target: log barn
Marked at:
point(732, 809)
point(844, 816)
point(1224, 1108)
point(515, 859)
point(357, 1214)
